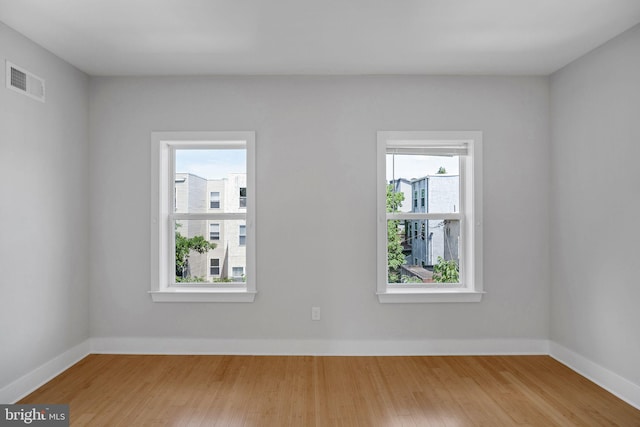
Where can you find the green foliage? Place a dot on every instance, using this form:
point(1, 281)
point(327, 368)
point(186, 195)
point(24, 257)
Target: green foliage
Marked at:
point(194, 279)
point(184, 246)
point(394, 200)
point(446, 271)
point(441, 171)
point(395, 258)
point(223, 280)
point(410, 279)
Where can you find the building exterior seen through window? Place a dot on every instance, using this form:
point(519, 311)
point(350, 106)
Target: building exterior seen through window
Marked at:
point(213, 250)
point(421, 244)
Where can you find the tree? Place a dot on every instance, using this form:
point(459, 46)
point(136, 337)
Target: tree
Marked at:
point(184, 246)
point(446, 271)
point(395, 257)
point(441, 171)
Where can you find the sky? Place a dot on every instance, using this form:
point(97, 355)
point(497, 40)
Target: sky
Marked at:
point(417, 166)
point(219, 163)
point(211, 164)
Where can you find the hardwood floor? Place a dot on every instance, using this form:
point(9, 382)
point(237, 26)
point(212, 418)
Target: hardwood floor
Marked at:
point(132, 390)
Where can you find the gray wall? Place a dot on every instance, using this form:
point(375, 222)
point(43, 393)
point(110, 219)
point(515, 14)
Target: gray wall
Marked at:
point(595, 303)
point(44, 211)
point(316, 173)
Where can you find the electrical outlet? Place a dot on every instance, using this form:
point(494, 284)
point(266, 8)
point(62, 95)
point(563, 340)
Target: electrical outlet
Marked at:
point(315, 313)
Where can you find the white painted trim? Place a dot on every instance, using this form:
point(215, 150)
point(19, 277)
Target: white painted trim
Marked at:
point(29, 382)
point(203, 295)
point(605, 378)
point(427, 295)
point(471, 269)
point(162, 244)
point(476, 347)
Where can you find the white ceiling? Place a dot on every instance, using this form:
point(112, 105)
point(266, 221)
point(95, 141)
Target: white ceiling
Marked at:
point(169, 37)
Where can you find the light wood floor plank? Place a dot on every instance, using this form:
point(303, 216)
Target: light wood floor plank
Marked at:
point(133, 390)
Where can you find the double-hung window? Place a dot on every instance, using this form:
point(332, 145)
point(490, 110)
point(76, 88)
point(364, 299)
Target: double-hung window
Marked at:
point(214, 200)
point(200, 241)
point(443, 261)
point(214, 231)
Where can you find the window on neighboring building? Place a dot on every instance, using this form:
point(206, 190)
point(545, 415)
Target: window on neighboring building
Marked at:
point(214, 200)
point(447, 260)
point(243, 197)
point(237, 272)
point(214, 267)
point(185, 167)
point(214, 231)
point(243, 235)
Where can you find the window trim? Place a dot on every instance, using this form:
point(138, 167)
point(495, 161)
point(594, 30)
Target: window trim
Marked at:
point(471, 218)
point(162, 179)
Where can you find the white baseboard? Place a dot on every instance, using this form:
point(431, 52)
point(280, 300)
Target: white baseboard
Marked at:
point(24, 385)
point(614, 383)
point(318, 347)
point(610, 381)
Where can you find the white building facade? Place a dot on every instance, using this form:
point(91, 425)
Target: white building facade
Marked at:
point(194, 194)
point(431, 239)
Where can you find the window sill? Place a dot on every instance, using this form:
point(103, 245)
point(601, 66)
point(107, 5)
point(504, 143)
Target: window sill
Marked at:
point(203, 295)
point(404, 295)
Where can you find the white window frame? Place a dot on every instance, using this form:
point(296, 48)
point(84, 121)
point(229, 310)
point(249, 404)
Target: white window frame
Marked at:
point(470, 288)
point(163, 287)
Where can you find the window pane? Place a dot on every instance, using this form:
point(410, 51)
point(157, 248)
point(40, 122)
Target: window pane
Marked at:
point(428, 183)
point(421, 251)
point(209, 179)
point(192, 250)
point(199, 259)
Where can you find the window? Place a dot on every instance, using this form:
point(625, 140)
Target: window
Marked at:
point(237, 272)
point(214, 267)
point(186, 168)
point(214, 231)
point(443, 263)
point(243, 235)
point(243, 197)
point(214, 200)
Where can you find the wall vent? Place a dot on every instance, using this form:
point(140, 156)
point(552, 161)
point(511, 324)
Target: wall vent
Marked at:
point(23, 81)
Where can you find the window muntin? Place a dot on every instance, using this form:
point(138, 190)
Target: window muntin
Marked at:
point(225, 162)
point(432, 251)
